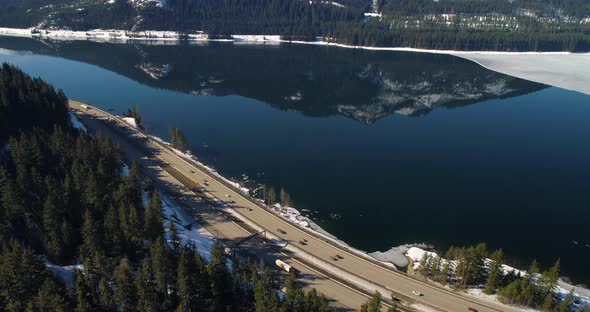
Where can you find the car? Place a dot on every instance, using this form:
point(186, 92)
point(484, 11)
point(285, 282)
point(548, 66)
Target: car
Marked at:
point(472, 309)
point(303, 242)
point(416, 293)
point(339, 257)
point(334, 258)
point(227, 195)
point(281, 231)
point(192, 171)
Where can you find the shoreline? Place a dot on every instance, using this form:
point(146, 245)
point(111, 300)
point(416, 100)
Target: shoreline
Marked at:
point(410, 252)
point(566, 70)
point(123, 36)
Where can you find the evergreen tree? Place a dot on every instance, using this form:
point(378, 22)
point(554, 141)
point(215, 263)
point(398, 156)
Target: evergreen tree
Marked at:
point(566, 304)
point(548, 303)
point(84, 294)
point(154, 227)
point(51, 297)
point(495, 272)
point(148, 298)
point(125, 290)
point(373, 304)
point(107, 300)
point(265, 291)
point(221, 284)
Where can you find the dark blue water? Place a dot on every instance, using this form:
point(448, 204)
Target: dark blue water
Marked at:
point(379, 148)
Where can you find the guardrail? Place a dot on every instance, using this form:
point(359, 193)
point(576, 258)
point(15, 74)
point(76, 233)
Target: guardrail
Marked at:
point(304, 229)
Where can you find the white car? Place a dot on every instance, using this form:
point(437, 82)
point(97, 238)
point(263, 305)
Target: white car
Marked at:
point(417, 293)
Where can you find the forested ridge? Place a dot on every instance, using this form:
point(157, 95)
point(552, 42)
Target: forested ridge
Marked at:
point(65, 200)
point(518, 25)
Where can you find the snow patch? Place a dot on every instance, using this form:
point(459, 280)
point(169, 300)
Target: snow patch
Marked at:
point(131, 121)
point(66, 272)
point(189, 230)
point(76, 122)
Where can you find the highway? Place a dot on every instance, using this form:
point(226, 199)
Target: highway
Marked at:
point(346, 280)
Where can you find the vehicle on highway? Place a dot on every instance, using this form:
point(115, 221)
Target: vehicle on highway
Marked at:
point(284, 266)
point(281, 231)
point(334, 258)
point(227, 195)
point(416, 293)
point(192, 171)
point(339, 257)
point(303, 242)
point(472, 309)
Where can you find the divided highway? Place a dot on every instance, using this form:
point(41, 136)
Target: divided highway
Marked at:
point(346, 280)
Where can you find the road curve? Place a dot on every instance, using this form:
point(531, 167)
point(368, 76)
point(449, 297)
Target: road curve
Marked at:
point(363, 273)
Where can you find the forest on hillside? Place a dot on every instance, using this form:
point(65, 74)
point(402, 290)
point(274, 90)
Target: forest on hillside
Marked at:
point(516, 25)
point(64, 200)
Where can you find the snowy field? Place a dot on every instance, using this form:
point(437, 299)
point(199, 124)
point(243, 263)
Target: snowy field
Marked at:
point(567, 71)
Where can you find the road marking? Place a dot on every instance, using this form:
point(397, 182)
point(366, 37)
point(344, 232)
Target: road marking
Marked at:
point(166, 149)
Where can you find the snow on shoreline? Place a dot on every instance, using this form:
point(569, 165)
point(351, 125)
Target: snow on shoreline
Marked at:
point(581, 295)
point(395, 258)
point(116, 35)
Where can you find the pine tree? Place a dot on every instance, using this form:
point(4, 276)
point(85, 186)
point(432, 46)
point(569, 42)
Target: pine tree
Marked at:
point(295, 301)
point(154, 227)
point(495, 272)
point(148, 299)
point(270, 195)
point(265, 292)
point(548, 303)
point(51, 297)
point(164, 268)
point(125, 290)
point(566, 304)
point(90, 251)
point(550, 277)
point(373, 304)
point(285, 198)
point(221, 284)
point(84, 294)
point(52, 226)
point(173, 234)
point(106, 295)
point(186, 281)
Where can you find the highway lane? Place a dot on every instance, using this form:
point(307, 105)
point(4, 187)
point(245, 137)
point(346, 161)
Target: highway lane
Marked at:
point(372, 273)
point(343, 297)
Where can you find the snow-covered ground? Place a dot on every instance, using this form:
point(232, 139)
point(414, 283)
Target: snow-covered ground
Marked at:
point(189, 230)
point(567, 71)
point(131, 121)
point(76, 122)
point(581, 295)
point(66, 272)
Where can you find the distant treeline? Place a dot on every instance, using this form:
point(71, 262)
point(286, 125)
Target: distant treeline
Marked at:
point(343, 22)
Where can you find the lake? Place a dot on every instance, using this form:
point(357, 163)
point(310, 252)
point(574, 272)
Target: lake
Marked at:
point(379, 148)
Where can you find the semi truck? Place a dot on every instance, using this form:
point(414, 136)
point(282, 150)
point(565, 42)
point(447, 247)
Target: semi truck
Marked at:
point(284, 266)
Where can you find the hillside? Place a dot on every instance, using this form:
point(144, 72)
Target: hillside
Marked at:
point(510, 25)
